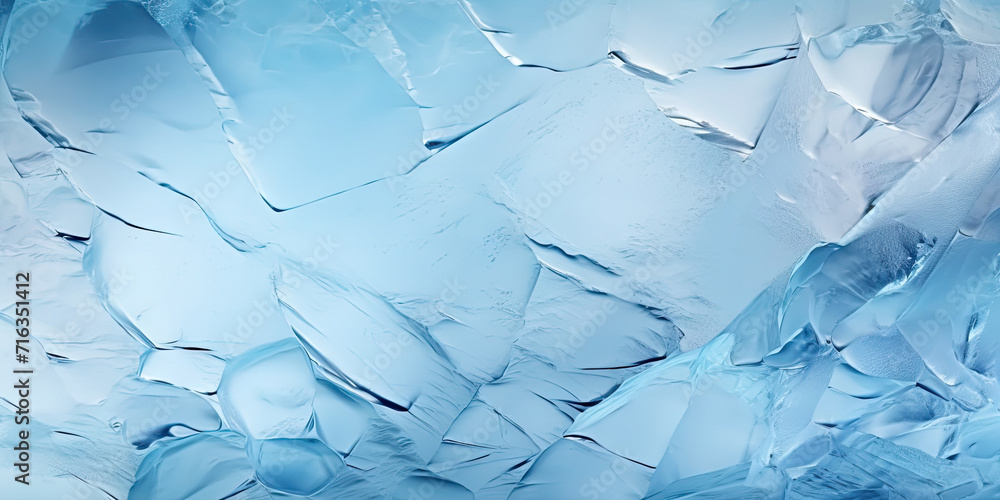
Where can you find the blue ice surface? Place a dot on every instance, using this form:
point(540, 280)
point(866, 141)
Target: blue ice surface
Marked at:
point(473, 249)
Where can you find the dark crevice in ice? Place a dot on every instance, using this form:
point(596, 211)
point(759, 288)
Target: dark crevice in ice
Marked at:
point(437, 146)
point(78, 150)
point(67, 433)
point(581, 258)
point(60, 234)
point(633, 365)
point(640, 71)
point(327, 367)
point(554, 70)
point(234, 242)
point(114, 31)
point(518, 465)
point(792, 54)
point(29, 107)
point(57, 358)
point(463, 443)
point(586, 439)
point(434, 146)
point(129, 224)
point(84, 481)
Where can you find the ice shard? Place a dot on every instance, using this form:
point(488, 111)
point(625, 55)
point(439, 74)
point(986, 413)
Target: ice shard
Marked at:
point(713, 46)
point(464, 249)
point(976, 20)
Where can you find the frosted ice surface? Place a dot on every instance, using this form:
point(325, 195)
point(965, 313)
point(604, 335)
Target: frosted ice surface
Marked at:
point(297, 466)
point(477, 249)
point(268, 392)
point(555, 34)
point(976, 20)
point(713, 45)
point(716, 47)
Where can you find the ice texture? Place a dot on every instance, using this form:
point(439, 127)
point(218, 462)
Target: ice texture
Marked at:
point(471, 249)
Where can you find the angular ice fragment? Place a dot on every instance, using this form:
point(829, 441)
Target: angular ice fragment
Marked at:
point(689, 54)
point(298, 87)
point(197, 371)
point(834, 281)
point(884, 74)
point(820, 17)
point(962, 286)
point(909, 77)
point(884, 354)
point(390, 356)
point(206, 465)
point(612, 333)
point(341, 419)
point(730, 482)
point(67, 214)
point(983, 219)
point(296, 466)
point(561, 35)
point(797, 352)
point(720, 428)
point(442, 60)
point(145, 412)
point(852, 382)
point(365, 344)
point(116, 29)
point(682, 394)
point(756, 328)
point(700, 100)
point(715, 33)
point(865, 465)
point(581, 468)
point(125, 194)
point(975, 20)
point(427, 486)
point(483, 444)
point(233, 308)
point(268, 392)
